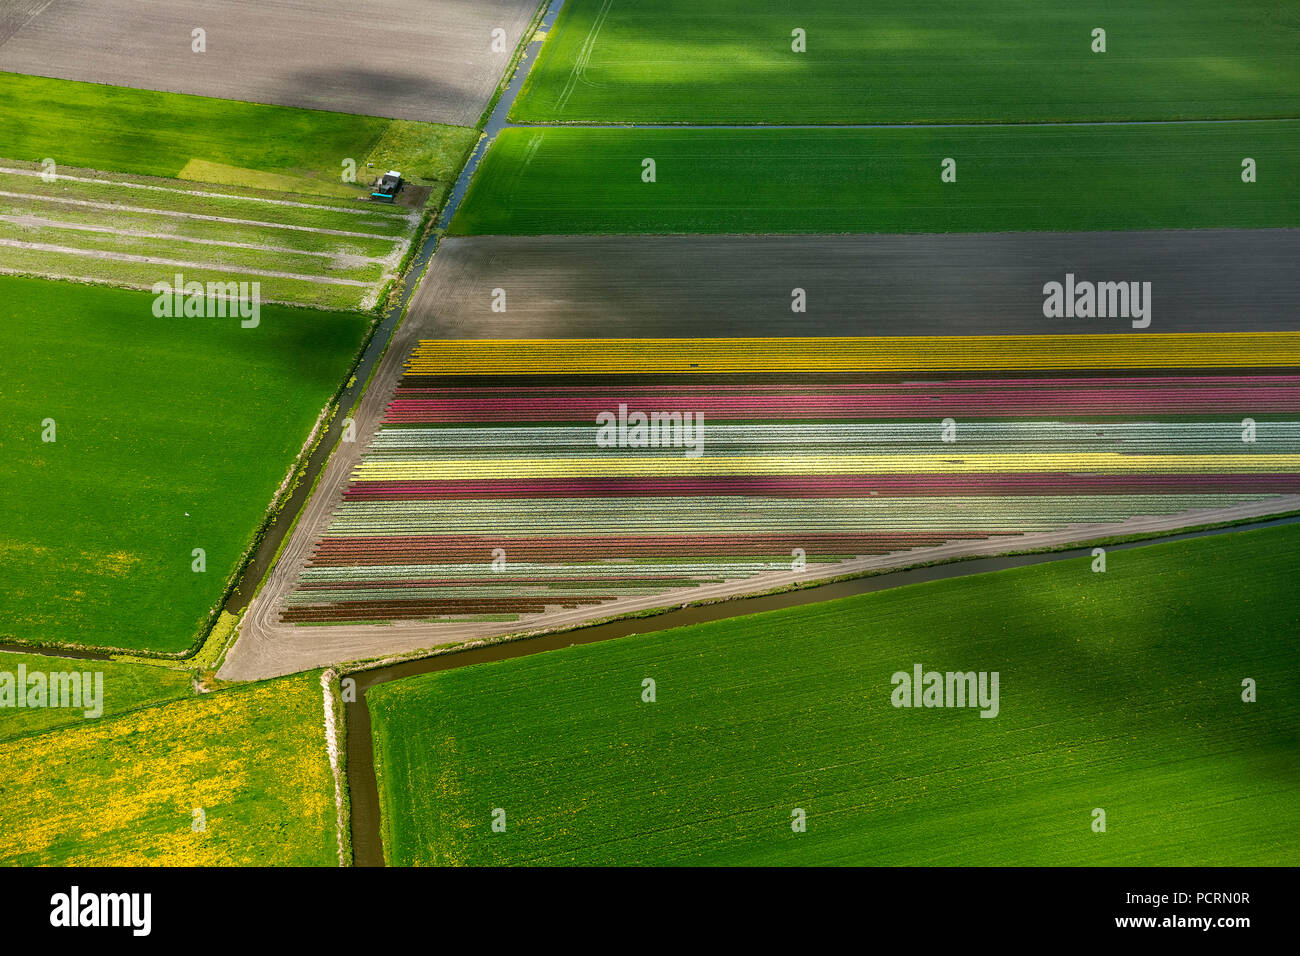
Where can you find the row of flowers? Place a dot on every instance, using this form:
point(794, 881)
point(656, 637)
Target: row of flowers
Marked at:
point(488, 499)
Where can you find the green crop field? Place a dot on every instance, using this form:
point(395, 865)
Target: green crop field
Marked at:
point(573, 181)
point(172, 781)
point(96, 126)
point(170, 435)
point(1119, 690)
point(731, 61)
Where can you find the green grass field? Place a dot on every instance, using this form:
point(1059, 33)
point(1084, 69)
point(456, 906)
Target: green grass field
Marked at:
point(126, 130)
point(122, 790)
point(171, 435)
point(731, 61)
point(1119, 691)
point(571, 181)
point(126, 687)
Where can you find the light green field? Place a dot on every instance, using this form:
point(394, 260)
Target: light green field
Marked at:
point(95, 126)
point(171, 435)
point(574, 181)
point(731, 61)
point(122, 790)
point(1120, 691)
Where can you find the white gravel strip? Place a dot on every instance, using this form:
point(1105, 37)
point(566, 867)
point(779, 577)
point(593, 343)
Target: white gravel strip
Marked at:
point(184, 263)
point(332, 747)
point(41, 223)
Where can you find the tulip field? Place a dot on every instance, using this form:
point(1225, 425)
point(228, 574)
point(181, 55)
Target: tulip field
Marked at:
point(481, 499)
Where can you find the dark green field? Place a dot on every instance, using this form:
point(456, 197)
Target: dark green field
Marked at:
point(1120, 691)
point(895, 61)
point(575, 181)
point(171, 435)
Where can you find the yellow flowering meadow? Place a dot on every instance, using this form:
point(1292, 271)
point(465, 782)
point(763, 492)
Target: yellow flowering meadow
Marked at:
point(239, 776)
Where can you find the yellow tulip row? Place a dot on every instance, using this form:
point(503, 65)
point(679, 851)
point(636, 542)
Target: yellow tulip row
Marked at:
point(621, 463)
point(965, 353)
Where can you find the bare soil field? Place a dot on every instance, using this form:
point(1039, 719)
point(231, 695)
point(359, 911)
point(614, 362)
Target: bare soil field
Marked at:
point(431, 60)
point(980, 284)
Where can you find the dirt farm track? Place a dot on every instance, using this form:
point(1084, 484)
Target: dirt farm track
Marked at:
point(426, 60)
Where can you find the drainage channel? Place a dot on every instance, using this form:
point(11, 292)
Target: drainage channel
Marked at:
point(500, 117)
point(367, 838)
